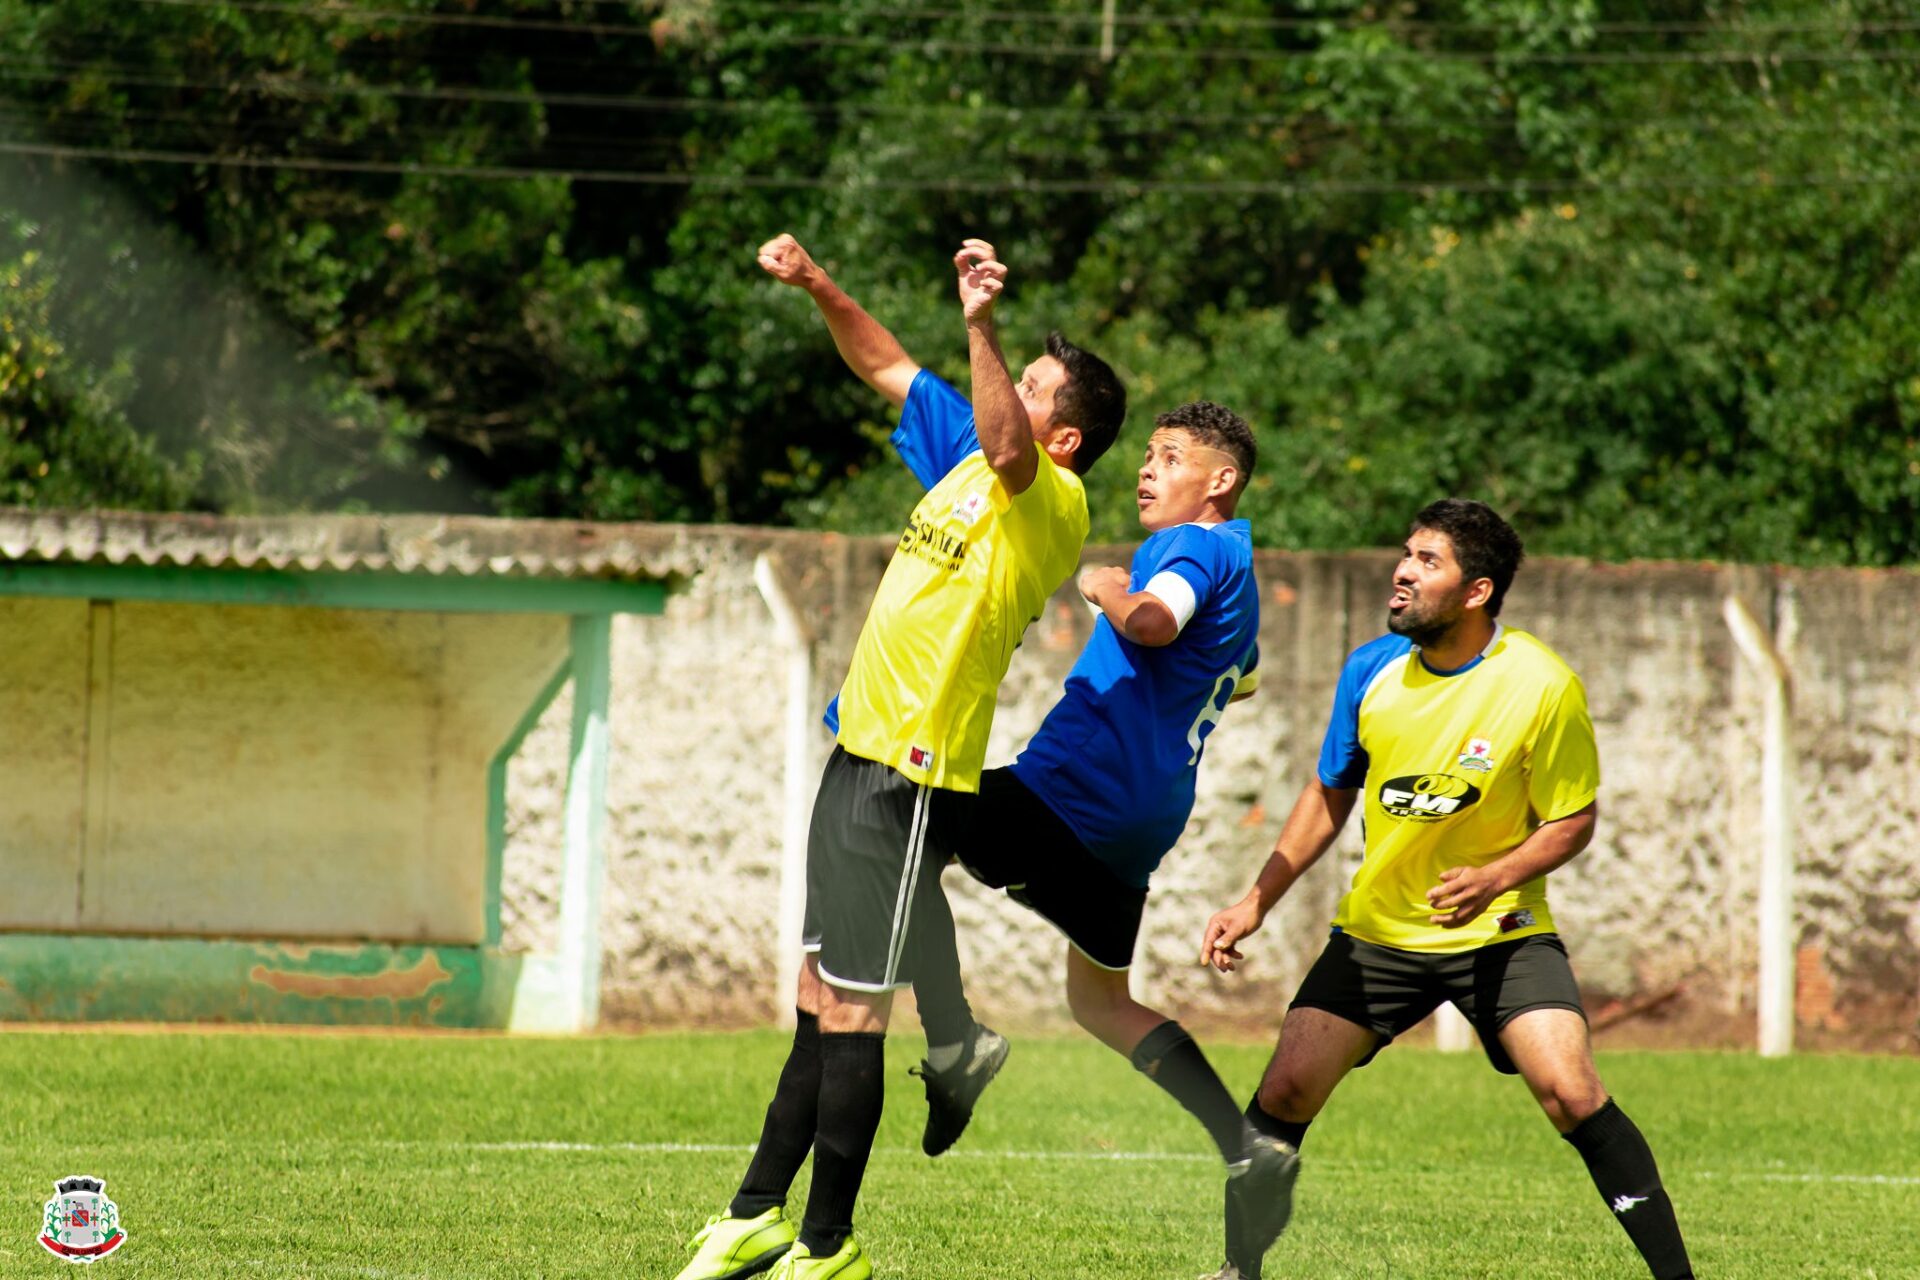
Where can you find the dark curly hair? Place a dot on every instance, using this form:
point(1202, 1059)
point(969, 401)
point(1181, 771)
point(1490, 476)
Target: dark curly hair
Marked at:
point(1216, 427)
point(1485, 545)
point(1092, 399)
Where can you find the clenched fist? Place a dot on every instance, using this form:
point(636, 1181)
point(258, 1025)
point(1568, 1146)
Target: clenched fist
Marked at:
point(982, 277)
point(785, 260)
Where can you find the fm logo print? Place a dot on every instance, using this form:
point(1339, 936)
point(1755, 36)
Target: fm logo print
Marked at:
point(82, 1225)
point(1427, 797)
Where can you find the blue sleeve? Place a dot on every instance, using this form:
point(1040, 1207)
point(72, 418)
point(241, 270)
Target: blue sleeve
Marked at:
point(832, 717)
point(1198, 557)
point(936, 429)
point(1343, 761)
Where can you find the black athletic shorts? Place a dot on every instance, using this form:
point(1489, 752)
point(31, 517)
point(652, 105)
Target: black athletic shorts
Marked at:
point(874, 852)
point(1018, 843)
point(1387, 990)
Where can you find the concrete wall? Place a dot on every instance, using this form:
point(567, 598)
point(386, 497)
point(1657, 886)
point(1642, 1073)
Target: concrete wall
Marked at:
point(1663, 903)
point(256, 771)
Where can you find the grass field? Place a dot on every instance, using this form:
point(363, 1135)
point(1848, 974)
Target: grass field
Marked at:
point(376, 1156)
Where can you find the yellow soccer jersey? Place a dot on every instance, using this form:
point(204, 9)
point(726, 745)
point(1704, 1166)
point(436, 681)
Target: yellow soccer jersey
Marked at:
point(975, 566)
point(1456, 769)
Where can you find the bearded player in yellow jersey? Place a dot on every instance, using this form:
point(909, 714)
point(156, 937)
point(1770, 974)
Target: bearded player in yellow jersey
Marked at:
point(1000, 528)
point(1469, 746)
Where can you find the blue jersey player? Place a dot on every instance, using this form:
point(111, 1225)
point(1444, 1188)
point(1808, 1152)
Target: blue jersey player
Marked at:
point(1076, 826)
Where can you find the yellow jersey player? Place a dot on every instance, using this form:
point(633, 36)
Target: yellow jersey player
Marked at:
point(1469, 746)
point(1000, 528)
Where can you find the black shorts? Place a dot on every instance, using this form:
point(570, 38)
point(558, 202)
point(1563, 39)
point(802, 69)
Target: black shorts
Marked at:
point(1018, 843)
point(874, 852)
point(1387, 990)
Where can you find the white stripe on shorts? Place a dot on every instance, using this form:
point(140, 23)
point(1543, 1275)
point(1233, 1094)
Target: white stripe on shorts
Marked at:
point(903, 903)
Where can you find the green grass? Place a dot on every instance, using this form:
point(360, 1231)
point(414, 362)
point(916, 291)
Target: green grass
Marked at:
point(321, 1155)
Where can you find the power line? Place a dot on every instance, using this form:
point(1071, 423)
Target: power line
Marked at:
point(1134, 123)
point(959, 186)
point(1346, 22)
point(1063, 19)
point(63, 71)
point(404, 18)
point(1674, 57)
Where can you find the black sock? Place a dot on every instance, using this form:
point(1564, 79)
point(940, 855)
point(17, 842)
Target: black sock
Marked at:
point(1168, 1056)
point(787, 1133)
point(937, 991)
point(1291, 1132)
point(1621, 1163)
point(852, 1089)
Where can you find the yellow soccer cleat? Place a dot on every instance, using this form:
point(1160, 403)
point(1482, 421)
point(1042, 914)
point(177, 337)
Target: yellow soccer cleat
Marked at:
point(730, 1248)
point(845, 1263)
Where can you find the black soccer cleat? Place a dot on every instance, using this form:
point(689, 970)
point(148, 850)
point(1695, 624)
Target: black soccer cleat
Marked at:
point(952, 1093)
point(1259, 1201)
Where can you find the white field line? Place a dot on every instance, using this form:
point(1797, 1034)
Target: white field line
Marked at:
point(1142, 1157)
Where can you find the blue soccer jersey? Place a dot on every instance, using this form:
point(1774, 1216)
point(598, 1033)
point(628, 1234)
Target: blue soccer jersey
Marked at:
point(1117, 756)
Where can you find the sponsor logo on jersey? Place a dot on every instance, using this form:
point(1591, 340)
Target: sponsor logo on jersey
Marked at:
point(1478, 756)
point(1427, 797)
point(929, 542)
point(920, 757)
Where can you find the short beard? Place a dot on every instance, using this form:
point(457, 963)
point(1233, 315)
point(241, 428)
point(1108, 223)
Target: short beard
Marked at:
point(1427, 628)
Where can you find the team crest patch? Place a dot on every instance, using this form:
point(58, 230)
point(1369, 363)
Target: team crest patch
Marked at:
point(82, 1225)
point(1478, 756)
point(920, 757)
point(968, 509)
point(1521, 919)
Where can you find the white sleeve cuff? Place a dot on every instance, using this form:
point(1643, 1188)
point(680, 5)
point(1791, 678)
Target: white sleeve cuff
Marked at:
point(1176, 593)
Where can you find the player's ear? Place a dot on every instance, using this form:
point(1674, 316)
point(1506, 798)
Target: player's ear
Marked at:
point(1223, 482)
point(1063, 443)
point(1479, 591)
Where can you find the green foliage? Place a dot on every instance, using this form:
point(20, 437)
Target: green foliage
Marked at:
point(1642, 275)
point(63, 440)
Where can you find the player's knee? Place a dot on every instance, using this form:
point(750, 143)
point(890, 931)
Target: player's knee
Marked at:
point(1095, 1005)
point(1567, 1101)
point(1284, 1098)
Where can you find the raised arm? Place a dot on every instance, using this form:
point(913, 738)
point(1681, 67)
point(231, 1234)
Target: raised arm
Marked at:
point(999, 418)
point(1140, 616)
point(874, 354)
point(1316, 819)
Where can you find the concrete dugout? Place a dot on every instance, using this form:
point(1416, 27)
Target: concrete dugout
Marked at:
point(255, 769)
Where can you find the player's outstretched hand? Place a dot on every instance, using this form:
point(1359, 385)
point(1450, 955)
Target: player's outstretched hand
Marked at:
point(786, 261)
point(1462, 894)
point(982, 277)
point(1224, 930)
point(1110, 577)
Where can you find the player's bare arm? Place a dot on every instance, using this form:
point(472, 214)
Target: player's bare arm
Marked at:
point(999, 417)
point(1464, 892)
point(1309, 832)
point(874, 354)
point(1140, 616)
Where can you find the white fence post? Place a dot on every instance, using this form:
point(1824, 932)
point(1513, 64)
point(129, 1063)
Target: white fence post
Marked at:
point(1776, 845)
point(799, 775)
point(1452, 1033)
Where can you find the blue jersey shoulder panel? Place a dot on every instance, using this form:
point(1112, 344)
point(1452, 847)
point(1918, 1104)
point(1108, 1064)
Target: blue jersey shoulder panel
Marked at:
point(936, 429)
point(1343, 761)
